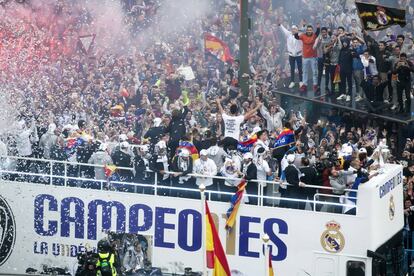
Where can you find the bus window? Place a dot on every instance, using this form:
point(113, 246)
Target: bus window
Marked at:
point(355, 268)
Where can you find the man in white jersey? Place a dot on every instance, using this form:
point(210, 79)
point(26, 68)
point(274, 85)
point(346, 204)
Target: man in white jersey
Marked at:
point(232, 123)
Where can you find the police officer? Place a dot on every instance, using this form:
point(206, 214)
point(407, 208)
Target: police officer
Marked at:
point(106, 264)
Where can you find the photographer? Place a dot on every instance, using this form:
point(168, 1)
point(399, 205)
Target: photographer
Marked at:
point(403, 69)
point(384, 67)
point(86, 264)
point(331, 53)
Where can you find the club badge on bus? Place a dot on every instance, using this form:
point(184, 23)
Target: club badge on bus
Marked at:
point(391, 208)
point(332, 240)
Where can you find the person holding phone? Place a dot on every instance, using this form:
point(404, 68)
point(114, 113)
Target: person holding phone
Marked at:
point(403, 69)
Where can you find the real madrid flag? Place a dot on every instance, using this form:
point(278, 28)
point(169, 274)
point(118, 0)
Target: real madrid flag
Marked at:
point(376, 17)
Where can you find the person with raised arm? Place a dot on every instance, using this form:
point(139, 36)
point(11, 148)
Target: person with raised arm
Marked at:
point(232, 123)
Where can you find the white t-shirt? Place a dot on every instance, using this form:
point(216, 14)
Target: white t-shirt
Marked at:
point(262, 169)
point(232, 125)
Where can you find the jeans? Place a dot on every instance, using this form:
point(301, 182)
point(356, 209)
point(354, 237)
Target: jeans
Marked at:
point(404, 86)
point(329, 76)
point(358, 76)
point(384, 77)
point(321, 65)
point(292, 62)
point(313, 62)
point(346, 78)
point(394, 92)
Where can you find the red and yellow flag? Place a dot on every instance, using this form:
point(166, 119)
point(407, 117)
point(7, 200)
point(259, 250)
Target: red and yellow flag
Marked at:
point(217, 47)
point(271, 273)
point(235, 204)
point(109, 170)
point(216, 258)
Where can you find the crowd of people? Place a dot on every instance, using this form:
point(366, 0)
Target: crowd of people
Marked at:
point(130, 107)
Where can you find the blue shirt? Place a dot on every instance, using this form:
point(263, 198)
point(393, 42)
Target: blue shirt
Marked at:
point(356, 61)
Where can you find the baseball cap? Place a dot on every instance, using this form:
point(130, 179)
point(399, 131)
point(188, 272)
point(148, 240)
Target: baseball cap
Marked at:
point(247, 155)
point(290, 158)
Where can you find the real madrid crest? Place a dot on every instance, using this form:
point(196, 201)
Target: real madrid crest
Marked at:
point(391, 208)
point(382, 17)
point(332, 240)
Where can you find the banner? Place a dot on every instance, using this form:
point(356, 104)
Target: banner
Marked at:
point(45, 226)
point(375, 17)
point(186, 72)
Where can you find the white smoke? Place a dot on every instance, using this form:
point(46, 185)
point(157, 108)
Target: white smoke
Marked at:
point(112, 33)
point(174, 18)
point(9, 111)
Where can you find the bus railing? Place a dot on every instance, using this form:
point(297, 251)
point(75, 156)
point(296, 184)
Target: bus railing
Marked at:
point(51, 178)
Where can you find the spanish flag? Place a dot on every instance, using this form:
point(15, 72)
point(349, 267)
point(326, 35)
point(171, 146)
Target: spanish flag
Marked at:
point(235, 204)
point(216, 258)
point(217, 48)
point(271, 273)
point(109, 170)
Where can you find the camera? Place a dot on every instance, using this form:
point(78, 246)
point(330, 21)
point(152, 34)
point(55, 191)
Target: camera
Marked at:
point(86, 263)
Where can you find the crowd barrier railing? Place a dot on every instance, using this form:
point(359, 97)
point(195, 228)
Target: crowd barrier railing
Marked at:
point(50, 177)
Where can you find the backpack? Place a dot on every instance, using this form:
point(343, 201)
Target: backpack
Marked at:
point(105, 267)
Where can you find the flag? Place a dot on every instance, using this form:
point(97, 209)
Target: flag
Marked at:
point(109, 170)
point(217, 48)
point(86, 42)
point(245, 146)
point(124, 93)
point(117, 110)
point(376, 17)
point(271, 273)
point(286, 137)
point(337, 74)
point(111, 173)
point(72, 145)
point(235, 204)
point(216, 258)
point(190, 147)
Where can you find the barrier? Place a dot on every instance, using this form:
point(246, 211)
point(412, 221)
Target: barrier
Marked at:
point(260, 195)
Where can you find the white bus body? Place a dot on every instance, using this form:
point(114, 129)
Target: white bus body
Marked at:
point(48, 225)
